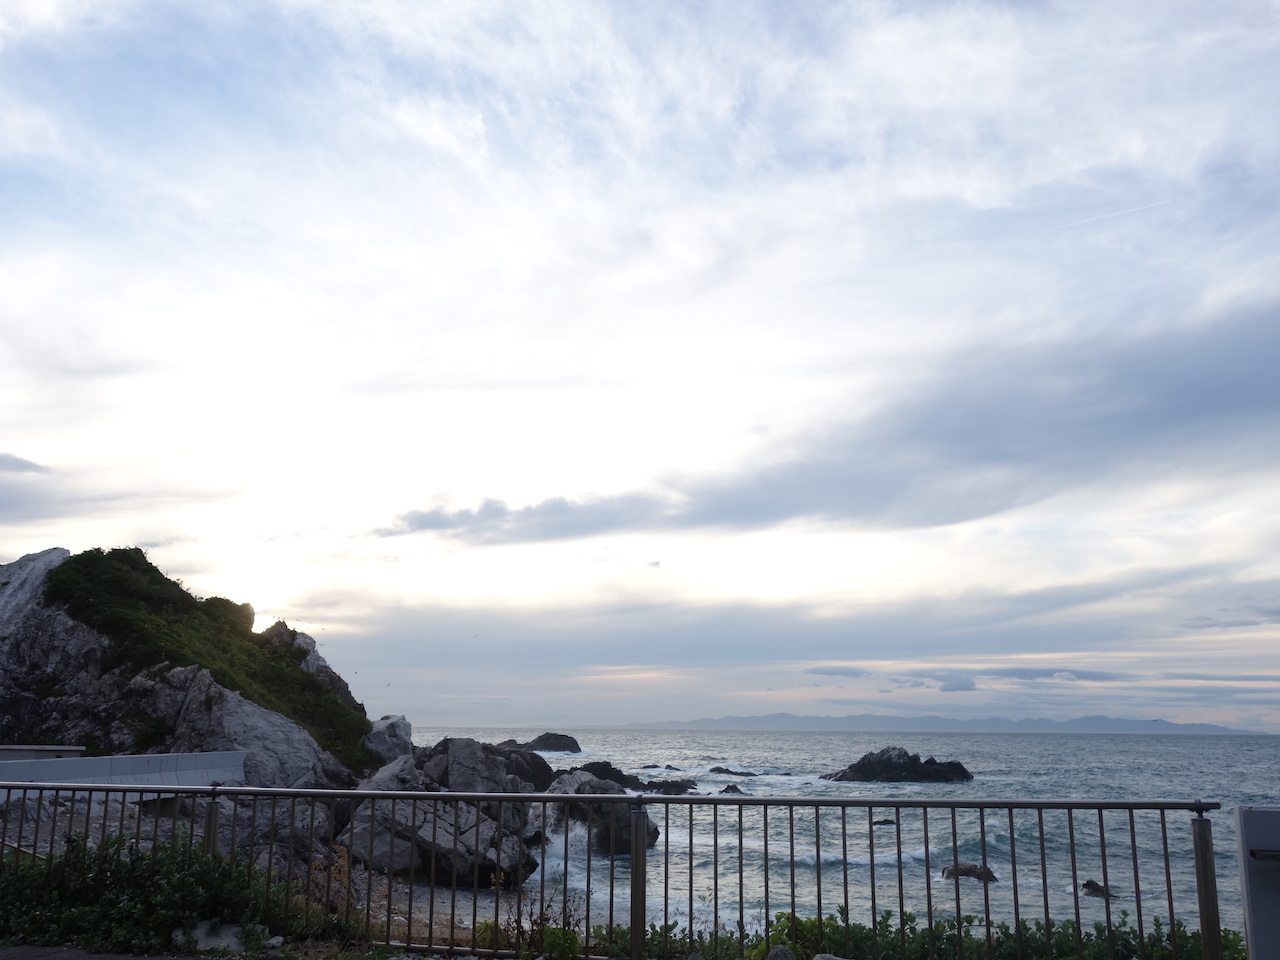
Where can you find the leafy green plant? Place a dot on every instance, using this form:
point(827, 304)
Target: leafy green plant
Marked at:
point(117, 896)
point(152, 620)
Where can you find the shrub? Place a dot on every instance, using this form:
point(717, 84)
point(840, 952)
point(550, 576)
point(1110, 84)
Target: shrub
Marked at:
point(118, 897)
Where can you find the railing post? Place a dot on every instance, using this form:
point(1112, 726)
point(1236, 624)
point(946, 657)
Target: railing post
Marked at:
point(211, 812)
point(639, 841)
point(1206, 886)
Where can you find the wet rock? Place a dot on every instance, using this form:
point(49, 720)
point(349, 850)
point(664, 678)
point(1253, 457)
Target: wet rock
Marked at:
point(895, 765)
point(734, 773)
point(974, 871)
point(1091, 888)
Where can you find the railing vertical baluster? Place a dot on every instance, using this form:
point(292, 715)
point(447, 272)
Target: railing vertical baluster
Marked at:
point(564, 907)
point(791, 852)
point(475, 872)
point(955, 877)
point(715, 881)
point(453, 875)
point(691, 925)
point(391, 868)
point(368, 866)
point(613, 846)
point(817, 860)
point(1044, 887)
point(639, 839)
point(1168, 883)
point(542, 874)
point(564, 874)
point(4, 826)
point(1206, 886)
point(413, 872)
point(742, 892)
point(844, 867)
point(211, 812)
point(1075, 876)
point(986, 887)
point(431, 870)
point(871, 866)
point(272, 877)
point(501, 881)
point(768, 920)
point(902, 894)
point(928, 879)
point(1013, 871)
point(311, 846)
point(1137, 885)
point(1106, 884)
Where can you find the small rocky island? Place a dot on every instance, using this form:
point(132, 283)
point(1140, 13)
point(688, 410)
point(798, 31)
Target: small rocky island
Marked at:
point(895, 765)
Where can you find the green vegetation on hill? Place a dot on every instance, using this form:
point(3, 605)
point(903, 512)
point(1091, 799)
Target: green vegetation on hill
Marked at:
point(151, 620)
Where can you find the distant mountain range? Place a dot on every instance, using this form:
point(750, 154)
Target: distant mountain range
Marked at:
point(874, 723)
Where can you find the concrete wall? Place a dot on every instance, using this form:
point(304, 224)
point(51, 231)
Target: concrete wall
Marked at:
point(156, 769)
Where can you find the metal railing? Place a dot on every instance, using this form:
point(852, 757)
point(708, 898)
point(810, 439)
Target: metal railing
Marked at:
point(618, 875)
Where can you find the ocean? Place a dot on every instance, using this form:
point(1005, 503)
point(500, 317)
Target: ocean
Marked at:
point(1232, 770)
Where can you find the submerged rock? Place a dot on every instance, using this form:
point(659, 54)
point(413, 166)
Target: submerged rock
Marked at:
point(895, 765)
point(975, 871)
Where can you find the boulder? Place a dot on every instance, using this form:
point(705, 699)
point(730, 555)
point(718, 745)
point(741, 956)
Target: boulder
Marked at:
point(1091, 888)
point(546, 742)
point(390, 738)
point(975, 871)
point(381, 835)
point(895, 765)
point(604, 770)
point(460, 845)
point(610, 823)
point(733, 789)
point(205, 716)
point(474, 842)
point(733, 773)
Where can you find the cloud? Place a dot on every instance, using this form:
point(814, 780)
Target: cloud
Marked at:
point(987, 433)
point(838, 671)
point(11, 464)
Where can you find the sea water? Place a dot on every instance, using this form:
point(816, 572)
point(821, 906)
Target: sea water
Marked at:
point(1232, 770)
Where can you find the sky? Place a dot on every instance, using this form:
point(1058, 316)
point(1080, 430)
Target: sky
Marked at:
point(565, 364)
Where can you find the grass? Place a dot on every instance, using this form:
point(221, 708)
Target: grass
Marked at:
point(155, 622)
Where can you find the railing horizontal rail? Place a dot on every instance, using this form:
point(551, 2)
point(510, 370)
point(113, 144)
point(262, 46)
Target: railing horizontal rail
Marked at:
point(1193, 806)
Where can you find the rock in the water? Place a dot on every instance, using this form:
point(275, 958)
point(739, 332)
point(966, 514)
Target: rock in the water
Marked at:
point(732, 788)
point(975, 871)
point(390, 738)
point(610, 823)
point(895, 765)
point(546, 742)
point(604, 770)
point(733, 773)
point(670, 788)
point(1091, 888)
point(554, 743)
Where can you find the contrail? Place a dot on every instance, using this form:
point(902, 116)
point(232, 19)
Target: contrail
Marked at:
point(1118, 213)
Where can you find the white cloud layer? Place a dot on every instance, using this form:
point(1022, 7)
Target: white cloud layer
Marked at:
point(702, 349)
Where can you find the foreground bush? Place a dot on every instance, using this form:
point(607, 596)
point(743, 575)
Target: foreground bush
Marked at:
point(118, 897)
point(808, 936)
